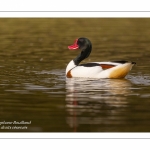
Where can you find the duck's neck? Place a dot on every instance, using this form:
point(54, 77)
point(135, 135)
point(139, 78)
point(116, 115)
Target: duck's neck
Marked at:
point(86, 50)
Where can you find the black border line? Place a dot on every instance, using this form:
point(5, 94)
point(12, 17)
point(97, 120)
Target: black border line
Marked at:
point(77, 11)
point(78, 138)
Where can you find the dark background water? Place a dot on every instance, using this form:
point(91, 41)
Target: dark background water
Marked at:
point(33, 86)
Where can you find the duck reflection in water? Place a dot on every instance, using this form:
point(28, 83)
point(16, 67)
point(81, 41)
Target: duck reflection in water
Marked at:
point(95, 102)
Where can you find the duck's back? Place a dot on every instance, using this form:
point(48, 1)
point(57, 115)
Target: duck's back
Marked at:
point(117, 69)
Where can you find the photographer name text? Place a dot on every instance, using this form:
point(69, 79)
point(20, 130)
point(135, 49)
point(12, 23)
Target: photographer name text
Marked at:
point(14, 124)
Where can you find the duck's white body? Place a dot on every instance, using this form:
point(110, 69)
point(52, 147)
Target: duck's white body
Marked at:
point(114, 69)
point(104, 70)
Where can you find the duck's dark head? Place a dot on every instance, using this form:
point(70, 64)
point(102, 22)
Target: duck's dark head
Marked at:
point(83, 44)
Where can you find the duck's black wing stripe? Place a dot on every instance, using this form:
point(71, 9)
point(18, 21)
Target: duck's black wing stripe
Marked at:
point(90, 65)
point(120, 61)
point(123, 62)
point(104, 66)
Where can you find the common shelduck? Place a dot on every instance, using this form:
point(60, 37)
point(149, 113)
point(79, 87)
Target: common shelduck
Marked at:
point(112, 69)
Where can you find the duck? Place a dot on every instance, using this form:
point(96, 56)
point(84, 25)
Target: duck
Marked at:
point(109, 69)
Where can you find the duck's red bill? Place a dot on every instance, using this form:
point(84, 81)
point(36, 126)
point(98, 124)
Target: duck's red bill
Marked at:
point(74, 46)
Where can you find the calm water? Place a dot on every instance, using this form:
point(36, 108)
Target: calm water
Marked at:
point(35, 92)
